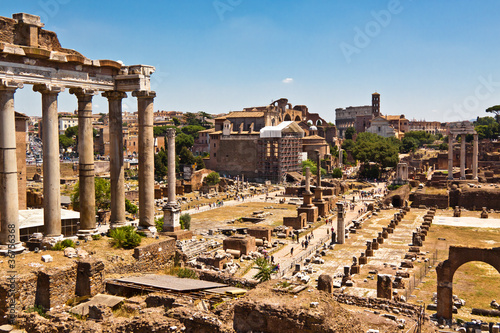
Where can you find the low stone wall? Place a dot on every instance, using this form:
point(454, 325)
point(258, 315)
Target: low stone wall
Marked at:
point(55, 286)
point(156, 251)
point(406, 309)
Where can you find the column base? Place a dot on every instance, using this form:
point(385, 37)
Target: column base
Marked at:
point(18, 248)
point(114, 225)
point(82, 234)
point(149, 231)
point(50, 241)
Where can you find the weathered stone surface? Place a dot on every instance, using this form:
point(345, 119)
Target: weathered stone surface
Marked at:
point(384, 286)
point(325, 283)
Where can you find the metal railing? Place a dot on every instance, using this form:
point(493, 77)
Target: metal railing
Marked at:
point(419, 275)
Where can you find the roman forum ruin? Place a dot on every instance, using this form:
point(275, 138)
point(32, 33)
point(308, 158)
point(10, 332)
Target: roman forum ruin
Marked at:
point(36, 58)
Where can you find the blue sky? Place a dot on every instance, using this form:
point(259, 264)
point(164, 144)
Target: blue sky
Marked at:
point(433, 60)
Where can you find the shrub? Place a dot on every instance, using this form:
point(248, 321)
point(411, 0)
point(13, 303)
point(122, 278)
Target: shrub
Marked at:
point(38, 309)
point(59, 246)
point(96, 237)
point(159, 224)
point(185, 221)
point(337, 173)
point(125, 237)
point(187, 273)
point(130, 207)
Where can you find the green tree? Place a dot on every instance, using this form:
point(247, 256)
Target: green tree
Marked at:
point(185, 221)
point(161, 162)
point(265, 268)
point(495, 109)
point(176, 121)
point(370, 147)
point(212, 178)
point(191, 118)
point(70, 132)
point(349, 133)
point(65, 142)
point(102, 194)
point(313, 167)
point(200, 164)
point(130, 207)
point(409, 144)
point(337, 173)
point(183, 140)
point(192, 130)
point(186, 157)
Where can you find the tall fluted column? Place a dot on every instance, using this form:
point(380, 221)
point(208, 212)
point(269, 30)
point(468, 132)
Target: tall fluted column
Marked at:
point(86, 161)
point(51, 173)
point(117, 173)
point(9, 204)
point(475, 157)
point(450, 156)
point(146, 158)
point(462, 156)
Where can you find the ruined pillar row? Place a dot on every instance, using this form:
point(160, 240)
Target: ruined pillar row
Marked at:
point(86, 160)
point(51, 168)
point(475, 157)
point(117, 172)
point(9, 210)
point(450, 156)
point(462, 156)
point(146, 158)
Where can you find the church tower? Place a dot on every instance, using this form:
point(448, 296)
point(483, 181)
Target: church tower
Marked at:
point(376, 104)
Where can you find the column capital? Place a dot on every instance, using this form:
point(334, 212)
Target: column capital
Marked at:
point(9, 84)
point(47, 88)
point(144, 94)
point(80, 92)
point(114, 94)
point(170, 133)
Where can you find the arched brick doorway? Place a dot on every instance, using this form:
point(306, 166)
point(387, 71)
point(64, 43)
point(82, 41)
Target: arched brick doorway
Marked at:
point(458, 256)
point(397, 202)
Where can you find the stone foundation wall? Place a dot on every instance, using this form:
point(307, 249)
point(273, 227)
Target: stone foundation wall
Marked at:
point(430, 200)
point(226, 279)
point(156, 251)
point(260, 233)
point(55, 286)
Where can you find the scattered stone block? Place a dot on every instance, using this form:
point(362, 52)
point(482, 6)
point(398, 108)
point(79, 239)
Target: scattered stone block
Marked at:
point(325, 283)
point(47, 258)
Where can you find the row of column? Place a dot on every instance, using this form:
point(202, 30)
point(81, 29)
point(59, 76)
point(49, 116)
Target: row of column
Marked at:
point(451, 141)
point(9, 218)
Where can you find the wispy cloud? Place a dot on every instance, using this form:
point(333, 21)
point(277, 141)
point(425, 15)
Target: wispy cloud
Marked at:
point(287, 80)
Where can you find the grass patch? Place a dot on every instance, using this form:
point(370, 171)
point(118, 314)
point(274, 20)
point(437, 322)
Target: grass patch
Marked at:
point(38, 309)
point(60, 246)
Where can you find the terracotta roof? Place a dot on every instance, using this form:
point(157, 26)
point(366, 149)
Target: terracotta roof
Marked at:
point(313, 137)
point(245, 114)
point(207, 130)
point(392, 117)
point(21, 115)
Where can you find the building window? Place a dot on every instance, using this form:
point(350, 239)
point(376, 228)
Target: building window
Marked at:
point(214, 144)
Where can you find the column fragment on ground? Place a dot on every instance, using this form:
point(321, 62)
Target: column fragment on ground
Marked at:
point(9, 210)
point(86, 161)
point(51, 168)
point(146, 158)
point(117, 175)
point(171, 212)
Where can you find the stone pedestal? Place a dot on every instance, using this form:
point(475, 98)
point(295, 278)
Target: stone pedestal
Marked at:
point(385, 233)
point(363, 260)
point(171, 219)
point(307, 206)
point(375, 244)
point(355, 269)
point(384, 286)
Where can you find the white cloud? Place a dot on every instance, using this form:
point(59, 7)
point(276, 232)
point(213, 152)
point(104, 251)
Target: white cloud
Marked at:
point(287, 80)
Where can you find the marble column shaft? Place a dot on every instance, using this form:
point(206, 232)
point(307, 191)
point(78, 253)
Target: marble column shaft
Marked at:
point(475, 157)
point(450, 156)
point(462, 156)
point(340, 224)
point(172, 202)
point(86, 158)
point(308, 180)
point(51, 167)
point(146, 157)
point(9, 204)
point(117, 173)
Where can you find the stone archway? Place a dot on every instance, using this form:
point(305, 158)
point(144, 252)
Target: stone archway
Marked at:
point(396, 201)
point(287, 117)
point(297, 118)
point(459, 255)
